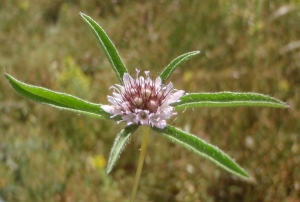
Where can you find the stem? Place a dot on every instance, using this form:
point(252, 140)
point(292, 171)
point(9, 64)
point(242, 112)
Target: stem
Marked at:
point(141, 162)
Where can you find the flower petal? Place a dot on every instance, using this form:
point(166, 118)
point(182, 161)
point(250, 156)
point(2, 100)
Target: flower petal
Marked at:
point(108, 108)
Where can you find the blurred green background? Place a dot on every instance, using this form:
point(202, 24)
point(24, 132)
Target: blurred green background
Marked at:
point(246, 46)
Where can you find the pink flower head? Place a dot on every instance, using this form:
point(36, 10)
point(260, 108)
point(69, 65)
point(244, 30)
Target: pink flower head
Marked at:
point(143, 101)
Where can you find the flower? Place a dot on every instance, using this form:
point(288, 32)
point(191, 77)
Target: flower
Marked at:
point(98, 161)
point(143, 101)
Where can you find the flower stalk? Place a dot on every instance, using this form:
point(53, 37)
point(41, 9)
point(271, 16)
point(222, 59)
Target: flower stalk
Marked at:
point(140, 162)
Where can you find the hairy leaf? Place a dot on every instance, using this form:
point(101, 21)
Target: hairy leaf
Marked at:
point(107, 46)
point(166, 73)
point(56, 99)
point(227, 99)
point(119, 145)
point(202, 148)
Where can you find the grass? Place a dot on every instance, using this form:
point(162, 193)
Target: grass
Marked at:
point(46, 154)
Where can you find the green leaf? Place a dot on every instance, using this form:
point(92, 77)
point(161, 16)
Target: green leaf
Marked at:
point(107, 46)
point(56, 99)
point(119, 145)
point(202, 148)
point(227, 99)
point(166, 73)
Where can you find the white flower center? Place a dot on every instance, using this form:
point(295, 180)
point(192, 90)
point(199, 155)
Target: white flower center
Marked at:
point(152, 104)
point(138, 101)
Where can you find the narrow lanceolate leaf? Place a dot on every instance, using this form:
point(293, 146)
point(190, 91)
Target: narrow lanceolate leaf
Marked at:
point(227, 99)
point(202, 148)
point(166, 73)
point(107, 46)
point(120, 142)
point(56, 99)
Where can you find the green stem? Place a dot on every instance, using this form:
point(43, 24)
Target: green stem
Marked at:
point(141, 162)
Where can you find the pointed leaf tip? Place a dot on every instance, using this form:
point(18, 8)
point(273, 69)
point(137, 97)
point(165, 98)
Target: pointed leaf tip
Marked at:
point(202, 148)
point(166, 73)
point(227, 99)
point(119, 144)
point(57, 99)
point(107, 46)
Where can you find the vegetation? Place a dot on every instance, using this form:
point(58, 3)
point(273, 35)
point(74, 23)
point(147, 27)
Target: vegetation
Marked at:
point(250, 46)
